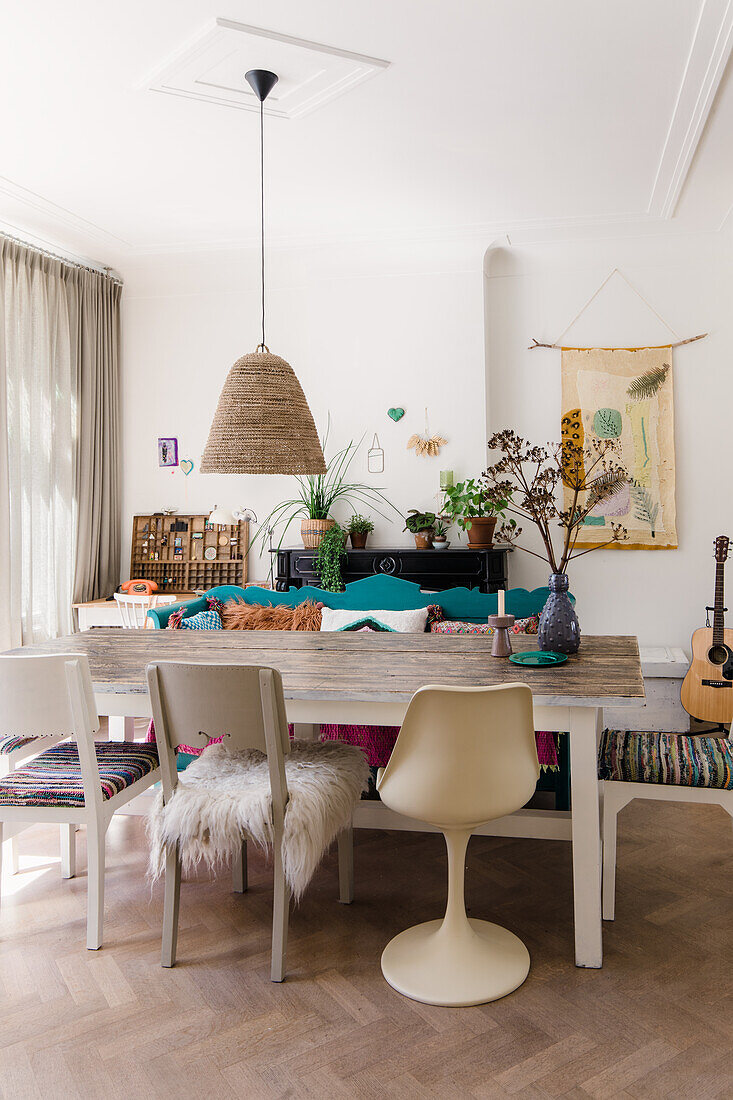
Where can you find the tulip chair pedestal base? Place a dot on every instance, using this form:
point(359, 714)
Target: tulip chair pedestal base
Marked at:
point(467, 964)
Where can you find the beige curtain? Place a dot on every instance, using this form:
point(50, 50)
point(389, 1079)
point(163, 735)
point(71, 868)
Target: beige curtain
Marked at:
point(59, 441)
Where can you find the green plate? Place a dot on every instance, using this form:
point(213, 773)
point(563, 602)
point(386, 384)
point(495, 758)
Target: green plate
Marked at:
point(539, 658)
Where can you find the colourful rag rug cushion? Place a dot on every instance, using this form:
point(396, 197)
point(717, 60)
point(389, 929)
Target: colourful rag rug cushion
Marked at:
point(530, 625)
point(674, 758)
point(53, 778)
point(12, 743)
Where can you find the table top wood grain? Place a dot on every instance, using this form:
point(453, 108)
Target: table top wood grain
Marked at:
point(371, 667)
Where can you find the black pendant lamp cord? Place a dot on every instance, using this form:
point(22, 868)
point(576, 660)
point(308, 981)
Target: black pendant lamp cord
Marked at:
point(262, 213)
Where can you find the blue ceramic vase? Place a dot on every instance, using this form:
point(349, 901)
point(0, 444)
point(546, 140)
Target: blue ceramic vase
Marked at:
point(559, 629)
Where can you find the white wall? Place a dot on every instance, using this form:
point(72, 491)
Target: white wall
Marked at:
point(534, 291)
point(365, 327)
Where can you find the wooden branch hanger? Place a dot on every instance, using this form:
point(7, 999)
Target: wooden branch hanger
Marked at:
point(561, 347)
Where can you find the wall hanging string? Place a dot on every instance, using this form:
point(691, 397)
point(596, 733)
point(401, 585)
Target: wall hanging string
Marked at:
point(561, 347)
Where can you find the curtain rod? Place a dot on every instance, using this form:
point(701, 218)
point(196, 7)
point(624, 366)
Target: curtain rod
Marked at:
point(107, 272)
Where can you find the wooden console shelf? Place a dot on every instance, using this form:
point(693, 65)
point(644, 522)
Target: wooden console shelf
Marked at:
point(181, 566)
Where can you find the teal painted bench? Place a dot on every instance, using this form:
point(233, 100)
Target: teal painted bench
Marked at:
point(377, 593)
point(385, 593)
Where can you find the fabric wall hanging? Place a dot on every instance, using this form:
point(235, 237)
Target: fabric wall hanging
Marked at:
point(626, 395)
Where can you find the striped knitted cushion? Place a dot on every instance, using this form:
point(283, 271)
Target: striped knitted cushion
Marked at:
point(205, 620)
point(673, 758)
point(12, 742)
point(54, 777)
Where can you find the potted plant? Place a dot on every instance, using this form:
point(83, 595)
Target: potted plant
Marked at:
point(440, 537)
point(473, 508)
point(327, 559)
point(526, 481)
point(316, 496)
point(422, 526)
point(360, 527)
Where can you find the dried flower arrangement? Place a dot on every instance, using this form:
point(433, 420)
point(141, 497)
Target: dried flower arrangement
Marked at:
point(528, 479)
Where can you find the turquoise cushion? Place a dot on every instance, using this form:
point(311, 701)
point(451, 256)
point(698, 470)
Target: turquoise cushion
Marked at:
point(204, 620)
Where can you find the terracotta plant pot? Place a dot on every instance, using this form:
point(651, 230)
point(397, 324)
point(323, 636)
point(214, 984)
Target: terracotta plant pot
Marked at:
point(313, 530)
point(359, 539)
point(481, 532)
point(424, 540)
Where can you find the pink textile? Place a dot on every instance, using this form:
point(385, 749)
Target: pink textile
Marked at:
point(189, 749)
point(378, 742)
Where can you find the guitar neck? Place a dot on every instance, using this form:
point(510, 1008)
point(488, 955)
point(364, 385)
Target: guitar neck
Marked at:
point(719, 604)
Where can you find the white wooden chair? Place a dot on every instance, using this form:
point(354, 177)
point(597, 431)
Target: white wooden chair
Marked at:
point(134, 608)
point(77, 781)
point(463, 757)
point(195, 703)
point(701, 765)
point(15, 751)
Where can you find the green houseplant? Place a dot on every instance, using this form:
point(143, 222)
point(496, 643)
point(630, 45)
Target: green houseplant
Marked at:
point(440, 537)
point(422, 526)
point(316, 495)
point(469, 505)
point(327, 559)
point(359, 528)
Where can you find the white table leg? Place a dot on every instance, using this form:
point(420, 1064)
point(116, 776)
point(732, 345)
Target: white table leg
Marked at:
point(585, 728)
point(121, 729)
point(305, 731)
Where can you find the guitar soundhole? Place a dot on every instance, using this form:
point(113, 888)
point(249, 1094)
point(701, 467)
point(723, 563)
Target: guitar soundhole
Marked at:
point(717, 655)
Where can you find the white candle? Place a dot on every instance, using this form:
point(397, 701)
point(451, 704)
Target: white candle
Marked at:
point(500, 598)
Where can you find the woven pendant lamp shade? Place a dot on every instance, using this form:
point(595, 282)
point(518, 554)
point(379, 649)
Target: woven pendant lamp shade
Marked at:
point(262, 424)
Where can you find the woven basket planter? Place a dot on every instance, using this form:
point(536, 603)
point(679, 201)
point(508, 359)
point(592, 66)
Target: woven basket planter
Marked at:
point(313, 530)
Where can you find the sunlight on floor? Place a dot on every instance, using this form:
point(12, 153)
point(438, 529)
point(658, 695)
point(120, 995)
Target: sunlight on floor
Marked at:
point(30, 870)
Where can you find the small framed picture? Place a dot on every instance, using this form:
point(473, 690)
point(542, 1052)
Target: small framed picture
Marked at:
point(167, 452)
point(178, 552)
point(178, 542)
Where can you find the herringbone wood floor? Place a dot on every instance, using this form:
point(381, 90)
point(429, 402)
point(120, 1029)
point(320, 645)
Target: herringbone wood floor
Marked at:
point(657, 1021)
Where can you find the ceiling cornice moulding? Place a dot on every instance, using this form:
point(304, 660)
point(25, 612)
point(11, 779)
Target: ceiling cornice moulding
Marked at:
point(56, 215)
point(706, 63)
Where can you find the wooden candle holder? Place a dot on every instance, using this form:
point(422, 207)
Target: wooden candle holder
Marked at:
point(501, 645)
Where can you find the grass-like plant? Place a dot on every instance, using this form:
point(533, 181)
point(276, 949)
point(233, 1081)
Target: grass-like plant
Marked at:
point(316, 494)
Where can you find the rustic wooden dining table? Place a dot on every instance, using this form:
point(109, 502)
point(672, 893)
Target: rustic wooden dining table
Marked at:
point(355, 678)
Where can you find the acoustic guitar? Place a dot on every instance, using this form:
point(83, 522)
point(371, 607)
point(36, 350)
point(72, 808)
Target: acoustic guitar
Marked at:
point(707, 689)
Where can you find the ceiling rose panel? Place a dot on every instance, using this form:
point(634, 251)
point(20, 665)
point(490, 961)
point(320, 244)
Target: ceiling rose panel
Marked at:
point(211, 67)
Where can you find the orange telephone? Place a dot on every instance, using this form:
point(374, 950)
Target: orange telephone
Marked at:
point(141, 587)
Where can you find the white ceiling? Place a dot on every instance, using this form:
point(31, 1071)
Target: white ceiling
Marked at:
point(518, 115)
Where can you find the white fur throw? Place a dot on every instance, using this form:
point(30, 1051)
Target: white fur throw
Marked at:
point(224, 796)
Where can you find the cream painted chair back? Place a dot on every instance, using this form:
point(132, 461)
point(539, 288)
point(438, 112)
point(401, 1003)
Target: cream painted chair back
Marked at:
point(194, 703)
point(134, 608)
point(463, 757)
point(44, 695)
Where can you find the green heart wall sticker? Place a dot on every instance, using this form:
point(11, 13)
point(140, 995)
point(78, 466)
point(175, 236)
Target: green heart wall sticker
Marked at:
point(395, 414)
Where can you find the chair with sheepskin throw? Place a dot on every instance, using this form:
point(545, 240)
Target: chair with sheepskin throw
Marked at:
point(255, 784)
